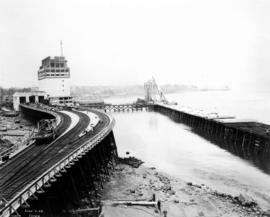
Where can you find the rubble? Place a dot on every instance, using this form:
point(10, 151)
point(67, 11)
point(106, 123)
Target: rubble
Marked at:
point(131, 161)
point(3, 129)
point(5, 144)
point(14, 133)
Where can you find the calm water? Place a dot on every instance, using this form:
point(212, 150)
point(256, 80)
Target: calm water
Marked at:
point(171, 147)
point(253, 105)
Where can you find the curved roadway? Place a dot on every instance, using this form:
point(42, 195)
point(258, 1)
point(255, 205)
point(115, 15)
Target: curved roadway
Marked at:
point(23, 168)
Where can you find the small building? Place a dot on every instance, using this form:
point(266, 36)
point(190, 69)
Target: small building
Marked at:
point(28, 97)
point(54, 79)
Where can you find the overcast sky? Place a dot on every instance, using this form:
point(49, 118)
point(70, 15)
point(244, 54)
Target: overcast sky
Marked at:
point(209, 42)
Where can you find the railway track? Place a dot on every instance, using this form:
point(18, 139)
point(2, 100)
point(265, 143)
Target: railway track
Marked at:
point(63, 125)
point(35, 160)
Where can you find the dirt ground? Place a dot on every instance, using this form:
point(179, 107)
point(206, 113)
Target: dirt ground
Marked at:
point(14, 129)
point(178, 197)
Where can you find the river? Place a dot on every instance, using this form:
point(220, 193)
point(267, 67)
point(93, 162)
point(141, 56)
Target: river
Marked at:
point(172, 148)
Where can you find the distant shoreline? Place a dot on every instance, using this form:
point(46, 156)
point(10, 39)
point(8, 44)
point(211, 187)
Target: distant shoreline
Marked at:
point(92, 95)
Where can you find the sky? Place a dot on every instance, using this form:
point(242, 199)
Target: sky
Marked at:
point(126, 42)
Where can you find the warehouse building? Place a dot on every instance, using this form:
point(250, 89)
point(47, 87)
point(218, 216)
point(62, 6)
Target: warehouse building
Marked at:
point(28, 97)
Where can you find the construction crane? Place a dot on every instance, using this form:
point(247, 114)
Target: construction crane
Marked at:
point(161, 95)
point(152, 89)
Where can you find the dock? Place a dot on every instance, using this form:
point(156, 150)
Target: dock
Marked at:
point(248, 139)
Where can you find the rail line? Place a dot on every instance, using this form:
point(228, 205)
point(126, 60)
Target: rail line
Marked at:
point(28, 168)
point(26, 173)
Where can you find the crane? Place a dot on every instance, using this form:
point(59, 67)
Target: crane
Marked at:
point(152, 89)
point(162, 97)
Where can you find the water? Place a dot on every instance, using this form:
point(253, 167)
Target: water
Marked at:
point(172, 148)
point(254, 105)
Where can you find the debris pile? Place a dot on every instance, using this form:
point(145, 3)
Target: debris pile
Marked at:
point(165, 186)
point(131, 161)
point(5, 144)
point(14, 134)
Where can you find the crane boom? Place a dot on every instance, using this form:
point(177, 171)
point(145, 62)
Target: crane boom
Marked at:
point(160, 92)
point(151, 90)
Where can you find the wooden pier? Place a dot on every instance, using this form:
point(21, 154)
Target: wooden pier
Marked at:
point(245, 138)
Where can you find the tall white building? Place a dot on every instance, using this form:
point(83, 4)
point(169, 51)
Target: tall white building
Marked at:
point(54, 79)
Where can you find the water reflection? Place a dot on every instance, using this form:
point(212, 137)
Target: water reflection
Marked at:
point(153, 123)
point(255, 155)
point(253, 150)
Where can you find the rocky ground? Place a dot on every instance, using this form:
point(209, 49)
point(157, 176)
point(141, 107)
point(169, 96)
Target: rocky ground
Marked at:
point(178, 197)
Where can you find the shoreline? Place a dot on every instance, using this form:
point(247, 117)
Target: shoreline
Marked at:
point(177, 196)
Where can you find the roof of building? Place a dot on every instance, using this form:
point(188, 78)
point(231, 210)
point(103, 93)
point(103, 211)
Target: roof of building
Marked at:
point(54, 58)
point(29, 93)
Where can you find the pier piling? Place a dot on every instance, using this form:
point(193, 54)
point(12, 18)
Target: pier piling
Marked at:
point(249, 140)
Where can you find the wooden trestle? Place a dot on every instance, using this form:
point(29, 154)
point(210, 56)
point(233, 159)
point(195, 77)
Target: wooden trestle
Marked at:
point(78, 185)
point(119, 107)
